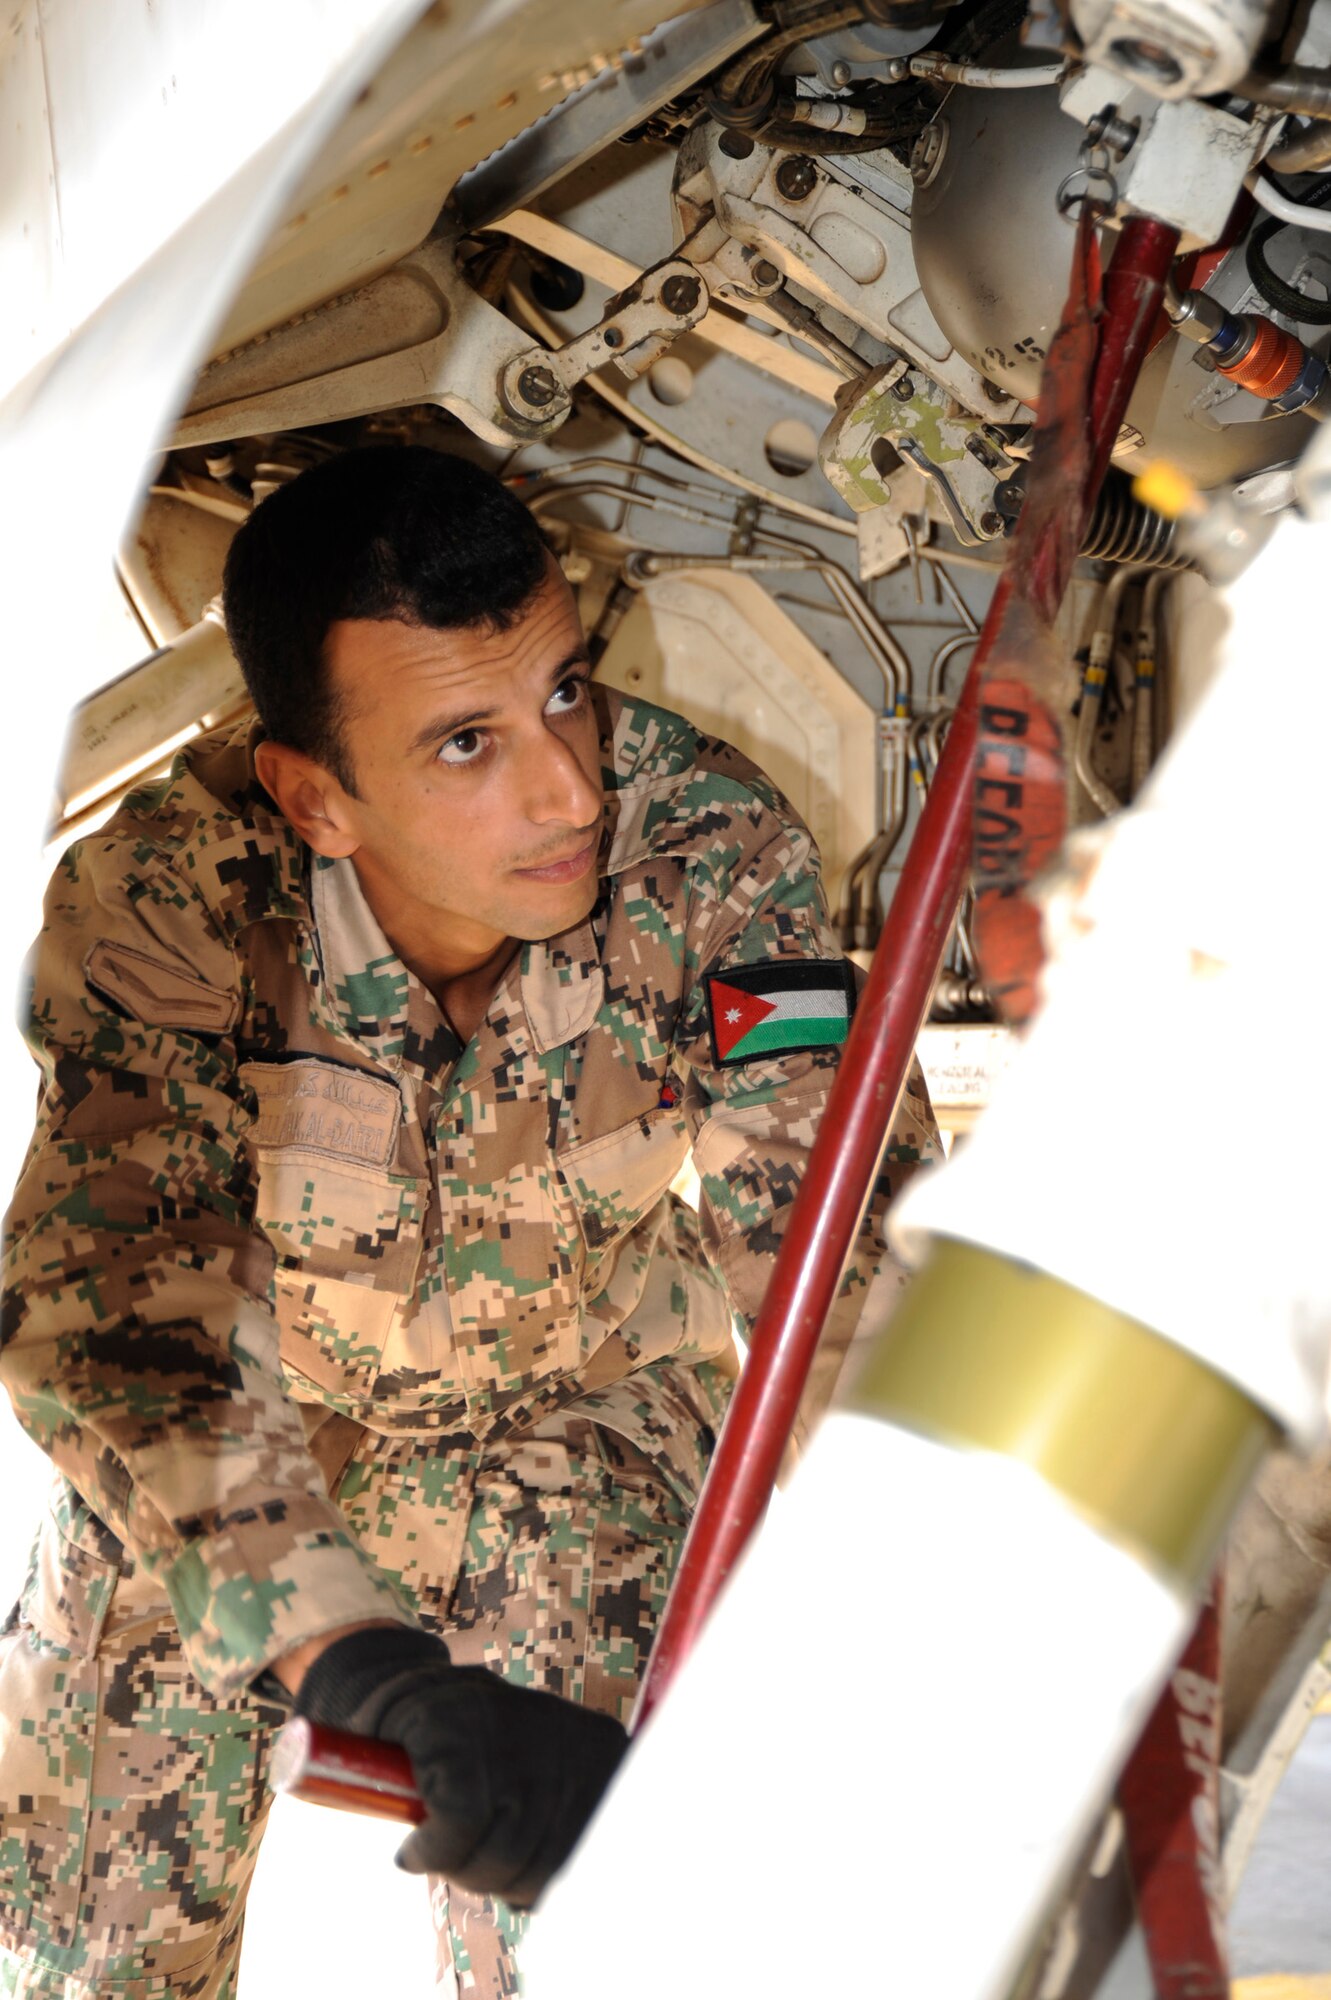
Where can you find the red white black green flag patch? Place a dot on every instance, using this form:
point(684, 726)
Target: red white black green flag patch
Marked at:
point(761, 1011)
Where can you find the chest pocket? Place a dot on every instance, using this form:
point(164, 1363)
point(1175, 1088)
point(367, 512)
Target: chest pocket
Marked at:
point(346, 1228)
point(619, 1177)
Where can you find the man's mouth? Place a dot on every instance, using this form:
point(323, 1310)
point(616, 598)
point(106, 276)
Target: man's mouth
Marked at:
point(564, 868)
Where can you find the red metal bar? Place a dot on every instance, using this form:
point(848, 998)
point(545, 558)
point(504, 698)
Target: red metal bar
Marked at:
point(1133, 294)
point(877, 1056)
point(330, 1767)
point(1170, 1796)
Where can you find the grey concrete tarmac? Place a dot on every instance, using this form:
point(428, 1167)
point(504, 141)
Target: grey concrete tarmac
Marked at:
point(1281, 1919)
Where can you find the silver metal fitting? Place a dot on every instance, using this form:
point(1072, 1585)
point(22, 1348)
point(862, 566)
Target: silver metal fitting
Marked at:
point(928, 153)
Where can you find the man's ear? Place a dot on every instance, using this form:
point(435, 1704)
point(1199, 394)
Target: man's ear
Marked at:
point(310, 797)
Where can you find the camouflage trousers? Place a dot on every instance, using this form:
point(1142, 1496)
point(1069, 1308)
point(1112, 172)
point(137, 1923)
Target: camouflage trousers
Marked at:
point(132, 1803)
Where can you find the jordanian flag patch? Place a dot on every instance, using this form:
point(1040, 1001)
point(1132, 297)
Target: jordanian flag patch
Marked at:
point(761, 1011)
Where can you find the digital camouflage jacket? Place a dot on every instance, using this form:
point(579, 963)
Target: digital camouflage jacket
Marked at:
point(267, 1178)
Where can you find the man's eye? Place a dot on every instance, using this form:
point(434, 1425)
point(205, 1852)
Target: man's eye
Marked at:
point(568, 694)
point(463, 748)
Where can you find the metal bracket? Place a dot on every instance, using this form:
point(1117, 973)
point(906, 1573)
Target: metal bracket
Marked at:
point(961, 456)
point(844, 250)
point(475, 362)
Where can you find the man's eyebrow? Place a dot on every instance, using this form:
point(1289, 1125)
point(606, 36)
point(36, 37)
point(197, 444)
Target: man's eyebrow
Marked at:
point(453, 724)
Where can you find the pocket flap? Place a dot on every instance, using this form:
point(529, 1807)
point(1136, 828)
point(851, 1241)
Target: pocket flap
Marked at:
point(68, 1591)
point(160, 995)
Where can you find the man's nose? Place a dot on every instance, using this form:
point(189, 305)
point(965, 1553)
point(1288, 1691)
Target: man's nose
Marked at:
point(558, 789)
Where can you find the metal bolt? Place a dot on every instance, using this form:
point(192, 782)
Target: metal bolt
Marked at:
point(1109, 130)
point(765, 273)
point(796, 177)
point(538, 387)
point(680, 294)
point(840, 74)
point(992, 393)
point(903, 388)
point(977, 448)
point(613, 337)
point(898, 69)
point(991, 523)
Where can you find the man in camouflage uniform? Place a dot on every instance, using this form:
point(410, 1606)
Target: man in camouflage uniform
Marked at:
point(345, 1288)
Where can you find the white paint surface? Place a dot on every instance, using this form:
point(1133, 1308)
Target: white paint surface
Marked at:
point(939, 1669)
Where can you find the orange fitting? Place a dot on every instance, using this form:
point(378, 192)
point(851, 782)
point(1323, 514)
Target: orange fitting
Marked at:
point(1271, 364)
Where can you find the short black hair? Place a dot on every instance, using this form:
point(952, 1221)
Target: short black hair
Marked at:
point(388, 531)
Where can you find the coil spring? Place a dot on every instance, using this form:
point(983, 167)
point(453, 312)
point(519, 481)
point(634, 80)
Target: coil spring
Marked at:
point(1122, 530)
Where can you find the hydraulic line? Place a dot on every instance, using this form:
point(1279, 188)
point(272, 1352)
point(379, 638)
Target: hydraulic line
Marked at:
point(609, 489)
point(1145, 680)
point(825, 1215)
point(1308, 214)
point(551, 481)
point(894, 777)
point(938, 664)
point(938, 69)
point(887, 655)
point(958, 603)
point(1297, 88)
point(1104, 645)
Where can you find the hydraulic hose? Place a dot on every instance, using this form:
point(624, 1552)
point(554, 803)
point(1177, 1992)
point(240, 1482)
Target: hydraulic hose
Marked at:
point(805, 139)
point(1277, 291)
point(746, 86)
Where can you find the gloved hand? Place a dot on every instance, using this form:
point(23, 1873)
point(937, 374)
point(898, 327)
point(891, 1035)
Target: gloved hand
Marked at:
point(511, 1775)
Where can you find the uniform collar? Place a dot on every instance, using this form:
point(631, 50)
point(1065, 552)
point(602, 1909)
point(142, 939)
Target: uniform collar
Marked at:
point(368, 984)
point(381, 1003)
point(639, 820)
point(563, 986)
point(243, 856)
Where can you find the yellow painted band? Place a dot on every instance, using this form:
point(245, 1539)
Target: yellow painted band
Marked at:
point(1283, 1986)
point(1144, 1439)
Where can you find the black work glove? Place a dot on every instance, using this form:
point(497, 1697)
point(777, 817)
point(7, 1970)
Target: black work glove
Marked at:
point(510, 1775)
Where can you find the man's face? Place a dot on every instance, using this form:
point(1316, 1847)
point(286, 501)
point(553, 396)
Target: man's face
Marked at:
point(475, 756)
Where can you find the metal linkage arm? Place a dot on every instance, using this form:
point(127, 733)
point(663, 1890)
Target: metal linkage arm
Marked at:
point(637, 325)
